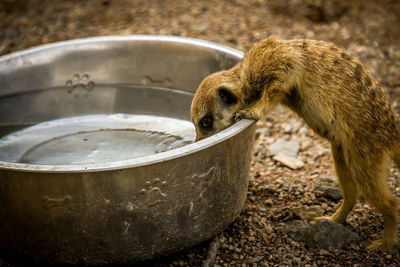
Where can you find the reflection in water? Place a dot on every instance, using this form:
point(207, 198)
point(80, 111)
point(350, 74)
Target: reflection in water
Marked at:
point(95, 139)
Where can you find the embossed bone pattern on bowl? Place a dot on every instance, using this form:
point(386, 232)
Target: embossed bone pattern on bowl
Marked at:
point(126, 210)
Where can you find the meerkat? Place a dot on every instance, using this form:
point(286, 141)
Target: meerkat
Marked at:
point(335, 95)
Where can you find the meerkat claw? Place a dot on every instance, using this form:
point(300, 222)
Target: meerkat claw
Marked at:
point(239, 116)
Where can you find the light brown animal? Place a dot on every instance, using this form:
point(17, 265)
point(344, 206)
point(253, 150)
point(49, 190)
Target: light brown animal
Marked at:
point(337, 98)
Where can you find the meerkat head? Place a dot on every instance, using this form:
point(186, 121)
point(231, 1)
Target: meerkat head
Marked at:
point(215, 103)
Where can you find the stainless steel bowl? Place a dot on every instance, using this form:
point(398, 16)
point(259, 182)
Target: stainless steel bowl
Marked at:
point(129, 210)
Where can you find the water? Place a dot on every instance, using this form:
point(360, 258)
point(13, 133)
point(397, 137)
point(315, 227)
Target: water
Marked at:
point(95, 139)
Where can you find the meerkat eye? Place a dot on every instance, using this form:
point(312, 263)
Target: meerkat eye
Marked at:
point(206, 122)
point(227, 97)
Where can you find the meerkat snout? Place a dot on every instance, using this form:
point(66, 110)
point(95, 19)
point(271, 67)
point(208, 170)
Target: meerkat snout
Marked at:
point(215, 104)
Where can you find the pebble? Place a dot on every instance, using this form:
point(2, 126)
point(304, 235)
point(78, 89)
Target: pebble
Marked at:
point(270, 140)
point(308, 213)
point(288, 161)
point(238, 250)
point(256, 259)
point(305, 144)
point(262, 132)
point(269, 229)
point(329, 188)
point(224, 246)
point(269, 202)
point(303, 130)
point(287, 128)
point(333, 193)
point(296, 126)
point(317, 150)
point(324, 252)
point(288, 148)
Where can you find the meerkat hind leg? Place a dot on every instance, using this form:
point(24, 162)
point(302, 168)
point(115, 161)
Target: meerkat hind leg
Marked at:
point(371, 181)
point(347, 185)
point(387, 205)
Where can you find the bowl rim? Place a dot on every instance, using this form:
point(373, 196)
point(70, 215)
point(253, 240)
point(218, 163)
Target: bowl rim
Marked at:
point(135, 162)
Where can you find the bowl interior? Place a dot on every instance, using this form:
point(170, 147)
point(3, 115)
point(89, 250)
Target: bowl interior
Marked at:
point(136, 76)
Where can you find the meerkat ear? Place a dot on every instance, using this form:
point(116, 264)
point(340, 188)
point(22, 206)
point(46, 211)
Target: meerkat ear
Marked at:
point(226, 97)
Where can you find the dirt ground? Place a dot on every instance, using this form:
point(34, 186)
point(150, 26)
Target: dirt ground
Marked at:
point(368, 29)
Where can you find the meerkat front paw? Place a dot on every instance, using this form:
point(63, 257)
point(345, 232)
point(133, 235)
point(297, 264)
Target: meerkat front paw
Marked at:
point(241, 114)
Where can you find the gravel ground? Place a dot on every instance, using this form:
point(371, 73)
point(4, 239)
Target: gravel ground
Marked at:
point(368, 29)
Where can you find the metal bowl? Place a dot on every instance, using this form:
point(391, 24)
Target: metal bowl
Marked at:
point(127, 210)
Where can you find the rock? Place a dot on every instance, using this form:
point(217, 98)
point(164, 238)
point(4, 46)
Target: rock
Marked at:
point(303, 130)
point(287, 128)
point(224, 246)
point(328, 180)
point(307, 213)
point(288, 161)
point(297, 230)
point(238, 250)
point(296, 126)
point(329, 188)
point(324, 252)
point(322, 235)
point(318, 150)
point(289, 148)
point(269, 202)
point(270, 140)
point(305, 144)
point(263, 132)
point(269, 229)
point(327, 234)
point(255, 259)
point(333, 193)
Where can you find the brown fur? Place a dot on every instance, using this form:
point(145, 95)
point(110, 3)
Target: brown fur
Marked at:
point(334, 94)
